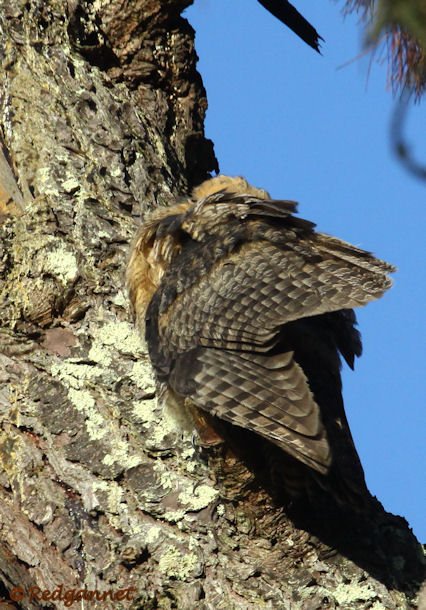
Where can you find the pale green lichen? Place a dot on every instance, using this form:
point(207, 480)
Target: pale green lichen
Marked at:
point(73, 374)
point(168, 479)
point(99, 5)
point(220, 509)
point(101, 354)
point(121, 335)
point(102, 485)
point(116, 171)
point(114, 495)
point(72, 184)
point(48, 254)
point(193, 543)
point(119, 514)
point(144, 411)
point(95, 425)
point(120, 299)
point(82, 400)
point(176, 565)
point(44, 177)
point(142, 376)
point(174, 516)
point(74, 377)
point(348, 593)
point(378, 606)
point(165, 426)
point(190, 466)
point(62, 264)
point(85, 403)
point(192, 498)
point(198, 497)
point(153, 534)
point(121, 456)
point(188, 455)
point(111, 338)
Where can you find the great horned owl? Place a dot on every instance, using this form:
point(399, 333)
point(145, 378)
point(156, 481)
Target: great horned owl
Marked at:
point(247, 311)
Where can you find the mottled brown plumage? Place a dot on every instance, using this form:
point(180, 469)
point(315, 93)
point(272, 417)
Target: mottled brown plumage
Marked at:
point(247, 310)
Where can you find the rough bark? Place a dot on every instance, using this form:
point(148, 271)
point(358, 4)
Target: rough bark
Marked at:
point(101, 488)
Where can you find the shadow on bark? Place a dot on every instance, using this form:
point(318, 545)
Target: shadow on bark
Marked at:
point(378, 542)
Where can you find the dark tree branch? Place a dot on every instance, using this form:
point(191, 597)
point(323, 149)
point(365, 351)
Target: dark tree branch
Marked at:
point(102, 115)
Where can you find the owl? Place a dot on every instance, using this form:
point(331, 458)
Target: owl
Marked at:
point(247, 313)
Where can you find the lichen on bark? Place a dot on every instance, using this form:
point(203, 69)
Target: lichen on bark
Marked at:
point(102, 115)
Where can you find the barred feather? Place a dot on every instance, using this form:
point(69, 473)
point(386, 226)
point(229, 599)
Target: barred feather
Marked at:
point(247, 310)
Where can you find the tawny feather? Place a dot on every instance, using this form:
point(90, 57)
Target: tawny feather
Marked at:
point(246, 310)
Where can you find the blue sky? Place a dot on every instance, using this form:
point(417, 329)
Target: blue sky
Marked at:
point(316, 129)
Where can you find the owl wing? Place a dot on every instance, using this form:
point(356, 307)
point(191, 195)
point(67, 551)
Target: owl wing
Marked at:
point(215, 330)
point(267, 394)
point(245, 297)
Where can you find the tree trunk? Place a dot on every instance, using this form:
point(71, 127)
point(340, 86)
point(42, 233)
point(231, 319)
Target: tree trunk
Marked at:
point(102, 492)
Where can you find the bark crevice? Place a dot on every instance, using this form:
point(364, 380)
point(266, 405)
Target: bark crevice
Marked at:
point(102, 114)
